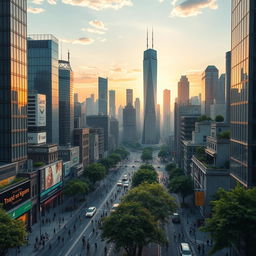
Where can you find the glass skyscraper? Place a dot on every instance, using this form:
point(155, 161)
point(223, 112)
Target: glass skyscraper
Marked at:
point(66, 103)
point(150, 134)
point(13, 80)
point(43, 77)
point(243, 93)
point(103, 95)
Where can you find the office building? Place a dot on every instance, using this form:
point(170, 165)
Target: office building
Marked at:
point(129, 97)
point(210, 80)
point(138, 117)
point(43, 77)
point(209, 169)
point(96, 144)
point(114, 134)
point(100, 121)
point(228, 84)
point(150, 135)
point(13, 80)
point(81, 139)
point(66, 103)
point(243, 94)
point(129, 124)
point(103, 96)
point(89, 106)
point(158, 121)
point(166, 114)
point(76, 97)
point(183, 91)
point(120, 116)
point(112, 103)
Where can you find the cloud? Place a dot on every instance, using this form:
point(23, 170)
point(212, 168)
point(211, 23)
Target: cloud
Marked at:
point(99, 5)
point(86, 79)
point(98, 24)
point(82, 41)
point(192, 7)
point(117, 69)
point(37, 1)
point(135, 70)
point(35, 10)
point(94, 31)
point(123, 79)
point(51, 2)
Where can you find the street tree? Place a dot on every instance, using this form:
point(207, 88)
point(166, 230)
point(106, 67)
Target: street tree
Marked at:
point(147, 154)
point(116, 158)
point(12, 232)
point(147, 166)
point(144, 175)
point(182, 185)
point(131, 227)
point(95, 172)
point(175, 173)
point(169, 167)
point(219, 118)
point(154, 198)
point(233, 220)
point(76, 188)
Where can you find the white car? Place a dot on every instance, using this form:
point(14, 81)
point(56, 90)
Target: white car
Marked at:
point(119, 183)
point(185, 249)
point(114, 207)
point(90, 211)
point(126, 184)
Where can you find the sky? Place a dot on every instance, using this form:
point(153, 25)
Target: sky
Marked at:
point(107, 38)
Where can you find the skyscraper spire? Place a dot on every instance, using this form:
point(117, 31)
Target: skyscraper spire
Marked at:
point(152, 38)
point(147, 38)
point(68, 56)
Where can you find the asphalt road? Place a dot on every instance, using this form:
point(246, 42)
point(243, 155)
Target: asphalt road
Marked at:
point(70, 242)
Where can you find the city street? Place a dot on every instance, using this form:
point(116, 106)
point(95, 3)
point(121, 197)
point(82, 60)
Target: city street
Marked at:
point(70, 241)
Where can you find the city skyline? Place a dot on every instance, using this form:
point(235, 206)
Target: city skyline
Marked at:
point(124, 70)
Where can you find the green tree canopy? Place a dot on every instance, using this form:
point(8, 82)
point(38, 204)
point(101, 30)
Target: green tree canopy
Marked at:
point(169, 167)
point(147, 166)
point(12, 232)
point(154, 198)
point(182, 185)
point(116, 158)
point(95, 172)
point(233, 220)
point(147, 154)
point(203, 118)
point(122, 152)
point(107, 163)
point(131, 227)
point(175, 173)
point(76, 187)
point(219, 118)
point(144, 175)
point(163, 154)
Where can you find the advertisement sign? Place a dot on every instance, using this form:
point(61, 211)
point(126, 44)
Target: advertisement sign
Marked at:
point(7, 181)
point(37, 138)
point(41, 110)
point(53, 175)
point(14, 196)
point(66, 168)
point(21, 210)
point(199, 198)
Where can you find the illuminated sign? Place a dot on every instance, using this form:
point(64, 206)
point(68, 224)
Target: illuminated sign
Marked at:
point(14, 196)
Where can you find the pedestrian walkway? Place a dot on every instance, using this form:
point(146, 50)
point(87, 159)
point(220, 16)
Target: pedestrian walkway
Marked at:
point(57, 221)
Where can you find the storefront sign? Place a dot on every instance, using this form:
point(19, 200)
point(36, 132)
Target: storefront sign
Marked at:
point(15, 196)
point(199, 198)
point(21, 210)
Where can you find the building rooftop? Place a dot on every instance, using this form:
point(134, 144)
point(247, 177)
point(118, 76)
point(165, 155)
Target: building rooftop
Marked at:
point(43, 37)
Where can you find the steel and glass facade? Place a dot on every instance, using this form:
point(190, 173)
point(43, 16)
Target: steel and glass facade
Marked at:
point(103, 95)
point(13, 80)
point(43, 77)
point(66, 103)
point(243, 93)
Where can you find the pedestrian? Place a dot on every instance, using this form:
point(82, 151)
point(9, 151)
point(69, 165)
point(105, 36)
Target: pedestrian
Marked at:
point(88, 246)
point(203, 248)
point(58, 238)
point(95, 245)
point(50, 246)
point(199, 248)
point(105, 249)
point(69, 232)
point(207, 242)
point(179, 236)
point(62, 239)
point(174, 237)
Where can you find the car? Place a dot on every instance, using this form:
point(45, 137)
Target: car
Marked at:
point(126, 184)
point(114, 207)
point(125, 177)
point(90, 211)
point(185, 250)
point(175, 218)
point(133, 166)
point(119, 183)
point(158, 167)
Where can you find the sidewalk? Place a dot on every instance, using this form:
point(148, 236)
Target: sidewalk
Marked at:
point(57, 221)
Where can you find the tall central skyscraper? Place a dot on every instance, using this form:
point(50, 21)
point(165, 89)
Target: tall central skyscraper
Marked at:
point(243, 94)
point(13, 81)
point(150, 135)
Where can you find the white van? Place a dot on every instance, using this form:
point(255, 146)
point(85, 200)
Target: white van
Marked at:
point(185, 250)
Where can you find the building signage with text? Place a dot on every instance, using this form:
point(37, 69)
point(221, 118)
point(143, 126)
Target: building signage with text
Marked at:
point(37, 138)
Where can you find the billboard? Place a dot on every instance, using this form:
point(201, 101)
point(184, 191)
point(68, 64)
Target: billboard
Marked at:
point(66, 168)
point(53, 175)
point(41, 110)
point(15, 196)
point(37, 138)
